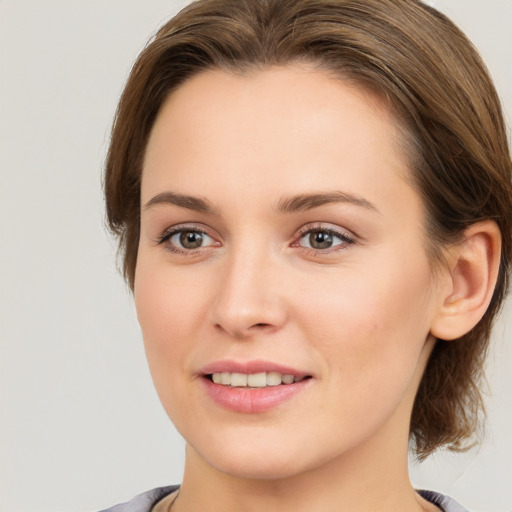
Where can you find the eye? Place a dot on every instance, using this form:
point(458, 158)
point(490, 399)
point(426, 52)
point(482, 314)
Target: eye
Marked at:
point(183, 240)
point(323, 239)
point(320, 239)
point(189, 239)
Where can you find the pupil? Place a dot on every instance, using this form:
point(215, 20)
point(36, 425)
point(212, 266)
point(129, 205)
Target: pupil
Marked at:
point(191, 240)
point(320, 240)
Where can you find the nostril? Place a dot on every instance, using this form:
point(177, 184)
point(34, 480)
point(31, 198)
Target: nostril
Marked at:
point(239, 331)
point(261, 327)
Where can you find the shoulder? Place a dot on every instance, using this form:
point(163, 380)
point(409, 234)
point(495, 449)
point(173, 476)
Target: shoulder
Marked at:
point(445, 503)
point(143, 502)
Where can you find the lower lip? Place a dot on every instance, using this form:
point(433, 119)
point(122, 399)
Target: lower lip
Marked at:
point(253, 400)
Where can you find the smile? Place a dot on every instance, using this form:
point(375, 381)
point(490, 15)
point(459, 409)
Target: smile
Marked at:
point(253, 380)
point(253, 387)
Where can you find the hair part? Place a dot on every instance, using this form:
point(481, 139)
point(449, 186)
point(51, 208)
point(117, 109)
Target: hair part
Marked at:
point(437, 88)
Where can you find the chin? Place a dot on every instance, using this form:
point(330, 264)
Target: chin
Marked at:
point(255, 468)
point(254, 457)
point(258, 459)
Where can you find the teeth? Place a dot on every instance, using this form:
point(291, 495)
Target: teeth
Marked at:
point(273, 379)
point(254, 380)
point(238, 380)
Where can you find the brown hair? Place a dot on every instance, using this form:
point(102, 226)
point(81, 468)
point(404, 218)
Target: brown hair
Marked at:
point(436, 85)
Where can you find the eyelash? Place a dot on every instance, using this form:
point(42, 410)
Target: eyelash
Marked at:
point(346, 240)
point(168, 234)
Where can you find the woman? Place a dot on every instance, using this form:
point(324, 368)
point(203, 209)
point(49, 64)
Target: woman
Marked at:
point(313, 199)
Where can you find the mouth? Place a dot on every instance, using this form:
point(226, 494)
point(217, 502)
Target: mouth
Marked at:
point(254, 386)
point(254, 380)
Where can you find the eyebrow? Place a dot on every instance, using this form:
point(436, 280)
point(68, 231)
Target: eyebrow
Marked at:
point(306, 202)
point(197, 204)
point(298, 203)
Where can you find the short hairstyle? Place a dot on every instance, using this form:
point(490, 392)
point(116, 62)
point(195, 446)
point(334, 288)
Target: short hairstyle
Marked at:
point(437, 88)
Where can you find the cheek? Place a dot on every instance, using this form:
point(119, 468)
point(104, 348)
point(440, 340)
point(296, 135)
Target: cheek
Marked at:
point(167, 302)
point(167, 310)
point(373, 326)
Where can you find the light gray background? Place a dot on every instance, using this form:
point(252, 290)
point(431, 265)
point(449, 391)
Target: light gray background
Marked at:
point(81, 426)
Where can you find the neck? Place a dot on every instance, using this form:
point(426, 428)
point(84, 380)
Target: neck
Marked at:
point(355, 482)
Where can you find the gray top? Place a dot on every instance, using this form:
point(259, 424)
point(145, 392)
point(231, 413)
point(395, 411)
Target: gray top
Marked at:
point(146, 501)
point(143, 502)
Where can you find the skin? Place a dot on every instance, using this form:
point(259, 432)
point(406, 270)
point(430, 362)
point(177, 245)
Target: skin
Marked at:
point(356, 317)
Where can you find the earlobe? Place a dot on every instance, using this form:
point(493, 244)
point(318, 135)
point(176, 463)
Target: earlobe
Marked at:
point(474, 267)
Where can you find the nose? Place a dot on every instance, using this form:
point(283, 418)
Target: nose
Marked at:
point(250, 297)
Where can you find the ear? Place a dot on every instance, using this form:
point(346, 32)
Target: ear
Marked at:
point(470, 281)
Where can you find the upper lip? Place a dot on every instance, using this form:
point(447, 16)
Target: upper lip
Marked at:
point(250, 367)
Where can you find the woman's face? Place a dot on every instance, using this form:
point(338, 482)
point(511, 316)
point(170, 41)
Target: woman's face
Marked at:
point(279, 237)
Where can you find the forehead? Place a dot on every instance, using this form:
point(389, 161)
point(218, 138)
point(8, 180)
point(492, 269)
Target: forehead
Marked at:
point(284, 100)
point(293, 126)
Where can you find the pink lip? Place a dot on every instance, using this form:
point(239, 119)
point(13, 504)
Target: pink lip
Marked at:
point(255, 400)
